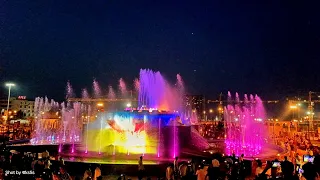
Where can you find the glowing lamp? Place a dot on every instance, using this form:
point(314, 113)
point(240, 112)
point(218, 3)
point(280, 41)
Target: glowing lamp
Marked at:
point(293, 107)
point(10, 84)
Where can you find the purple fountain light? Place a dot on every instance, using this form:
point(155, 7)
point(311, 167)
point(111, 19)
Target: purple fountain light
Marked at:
point(245, 130)
point(155, 92)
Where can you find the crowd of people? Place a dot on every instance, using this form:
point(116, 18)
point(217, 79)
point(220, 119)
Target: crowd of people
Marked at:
point(236, 168)
point(218, 168)
point(17, 165)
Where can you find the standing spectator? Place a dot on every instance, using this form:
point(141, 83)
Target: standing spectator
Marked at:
point(61, 161)
point(63, 175)
point(87, 175)
point(97, 173)
point(38, 168)
point(169, 172)
point(176, 168)
point(47, 172)
point(201, 173)
point(215, 163)
point(287, 168)
point(183, 170)
point(298, 160)
point(259, 168)
point(140, 168)
point(310, 172)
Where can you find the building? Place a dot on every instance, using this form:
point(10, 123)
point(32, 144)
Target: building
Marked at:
point(196, 103)
point(18, 106)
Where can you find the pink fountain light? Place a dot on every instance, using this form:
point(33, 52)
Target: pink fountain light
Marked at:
point(96, 89)
point(123, 88)
point(69, 91)
point(85, 94)
point(111, 93)
point(245, 130)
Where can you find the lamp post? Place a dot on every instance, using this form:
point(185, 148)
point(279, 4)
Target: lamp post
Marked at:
point(9, 85)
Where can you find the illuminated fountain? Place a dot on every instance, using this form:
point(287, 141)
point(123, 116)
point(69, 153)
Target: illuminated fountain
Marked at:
point(152, 127)
point(245, 130)
point(59, 123)
point(141, 130)
point(46, 120)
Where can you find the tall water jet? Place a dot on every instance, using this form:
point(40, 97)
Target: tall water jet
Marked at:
point(136, 84)
point(180, 96)
point(156, 92)
point(100, 140)
point(85, 94)
point(244, 123)
point(69, 91)
point(159, 137)
point(111, 93)
point(87, 129)
point(96, 89)
point(123, 88)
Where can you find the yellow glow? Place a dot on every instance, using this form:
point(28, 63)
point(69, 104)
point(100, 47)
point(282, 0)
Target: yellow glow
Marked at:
point(293, 107)
point(124, 142)
point(210, 110)
point(100, 104)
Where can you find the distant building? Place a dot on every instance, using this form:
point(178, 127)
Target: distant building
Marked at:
point(18, 106)
point(196, 103)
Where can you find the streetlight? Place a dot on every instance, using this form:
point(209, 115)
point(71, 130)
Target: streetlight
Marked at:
point(9, 91)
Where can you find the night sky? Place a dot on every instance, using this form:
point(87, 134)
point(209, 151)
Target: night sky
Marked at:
point(267, 47)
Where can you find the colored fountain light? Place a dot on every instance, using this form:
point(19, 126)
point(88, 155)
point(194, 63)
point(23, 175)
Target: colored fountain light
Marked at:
point(149, 127)
point(245, 130)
